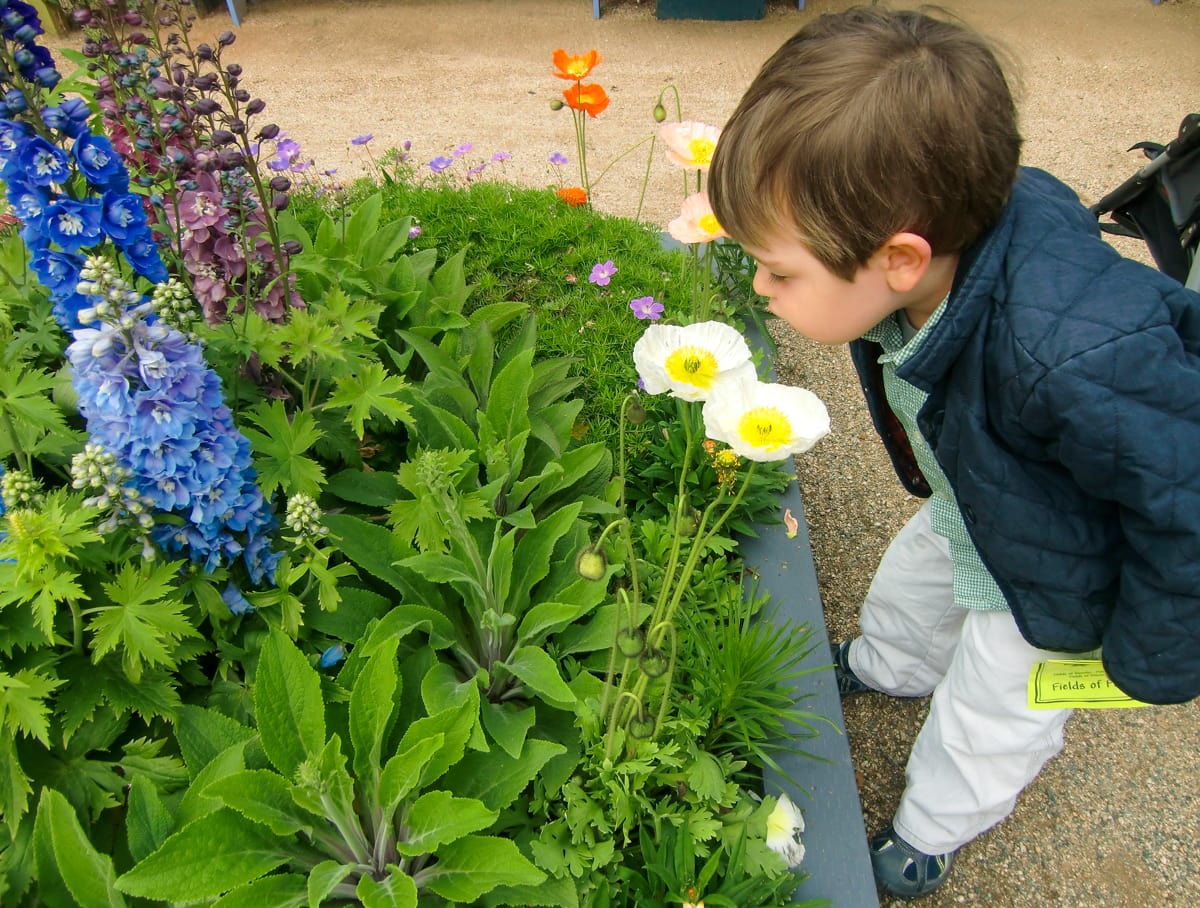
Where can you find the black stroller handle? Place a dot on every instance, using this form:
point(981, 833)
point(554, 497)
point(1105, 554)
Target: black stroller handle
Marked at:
point(1183, 144)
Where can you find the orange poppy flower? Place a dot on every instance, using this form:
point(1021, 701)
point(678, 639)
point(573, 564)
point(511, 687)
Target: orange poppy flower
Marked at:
point(590, 98)
point(572, 195)
point(575, 66)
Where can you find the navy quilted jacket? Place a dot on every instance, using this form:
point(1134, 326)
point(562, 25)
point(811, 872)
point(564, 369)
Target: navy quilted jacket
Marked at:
point(1064, 407)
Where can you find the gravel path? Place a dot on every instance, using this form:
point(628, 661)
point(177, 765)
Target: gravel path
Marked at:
point(1115, 820)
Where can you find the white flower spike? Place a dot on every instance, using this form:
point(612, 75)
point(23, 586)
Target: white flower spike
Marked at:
point(765, 422)
point(783, 828)
point(691, 361)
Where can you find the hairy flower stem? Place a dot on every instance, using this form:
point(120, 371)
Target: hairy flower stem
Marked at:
point(24, 461)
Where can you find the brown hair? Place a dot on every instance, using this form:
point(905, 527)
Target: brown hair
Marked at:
point(864, 124)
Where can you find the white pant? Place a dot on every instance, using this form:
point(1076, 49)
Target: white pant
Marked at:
point(981, 745)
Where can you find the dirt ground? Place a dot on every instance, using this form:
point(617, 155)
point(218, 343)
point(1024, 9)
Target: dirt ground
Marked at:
point(1115, 820)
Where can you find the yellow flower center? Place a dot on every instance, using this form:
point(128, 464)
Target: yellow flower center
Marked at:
point(577, 67)
point(709, 224)
point(692, 366)
point(702, 150)
point(765, 427)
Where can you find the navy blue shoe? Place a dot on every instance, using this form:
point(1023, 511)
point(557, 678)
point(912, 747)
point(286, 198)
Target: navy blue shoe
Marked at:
point(847, 682)
point(904, 871)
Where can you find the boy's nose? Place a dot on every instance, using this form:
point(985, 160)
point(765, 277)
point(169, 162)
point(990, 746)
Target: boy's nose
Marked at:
point(761, 282)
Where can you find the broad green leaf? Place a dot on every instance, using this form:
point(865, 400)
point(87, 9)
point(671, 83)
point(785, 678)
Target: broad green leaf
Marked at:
point(534, 551)
point(147, 821)
point(455, 724)
point(705, 776)
point(507, 404)
point(377, 489)
point(441, 569)
point(288, 705)
point(498, 779)
point(397, 891)
point(539, 672)
point(264, 797)
point(547, 617)
point(403, 771)
point(216, 853)
point(324, 878)
point(373, 548)
point(508, 724)
point(204, 733)
point(87, 873)
point(52, 890)
point(196, 801)
point(404, 620)
point(280, 890)
point(555, 892)
point(438, 817)
point(363, 224)
point(372, 711)
point(472, 866)
point(442, 688)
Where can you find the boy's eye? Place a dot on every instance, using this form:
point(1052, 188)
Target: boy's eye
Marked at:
point(776, 278)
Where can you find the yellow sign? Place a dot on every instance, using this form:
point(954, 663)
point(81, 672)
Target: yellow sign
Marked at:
point(1075, 684)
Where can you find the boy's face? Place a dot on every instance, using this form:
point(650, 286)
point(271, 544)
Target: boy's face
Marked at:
point(814, 300)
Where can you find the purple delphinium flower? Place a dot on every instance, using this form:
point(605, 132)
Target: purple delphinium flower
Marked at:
point(558, 158)
point(462, 149)
point(440, 163)
point(363, 139)
point(501, 156)
point(646, 308)
point(602, 273)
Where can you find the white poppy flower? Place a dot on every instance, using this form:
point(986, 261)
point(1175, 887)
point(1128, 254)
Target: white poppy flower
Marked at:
point(765, 422)
point(783, 828)
point(691, 361)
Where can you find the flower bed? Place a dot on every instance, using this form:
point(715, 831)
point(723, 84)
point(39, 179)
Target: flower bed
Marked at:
point(314, 587)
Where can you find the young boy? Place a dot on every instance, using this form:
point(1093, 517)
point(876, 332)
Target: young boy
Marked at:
point(1041, 391)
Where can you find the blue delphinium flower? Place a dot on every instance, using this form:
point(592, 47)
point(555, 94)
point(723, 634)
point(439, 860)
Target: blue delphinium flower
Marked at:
point(332, 655)
point(151, 400)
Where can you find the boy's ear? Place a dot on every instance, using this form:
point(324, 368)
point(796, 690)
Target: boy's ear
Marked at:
point(905, 258)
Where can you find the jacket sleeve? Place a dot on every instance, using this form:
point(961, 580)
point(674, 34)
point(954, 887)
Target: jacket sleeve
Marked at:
point(1124, 417)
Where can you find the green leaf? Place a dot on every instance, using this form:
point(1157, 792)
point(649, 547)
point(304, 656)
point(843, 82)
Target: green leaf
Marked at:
point(534, 551)
point(538, 671)
point(498, 779)
point(547, 617)
point(472, 866)
point(373, 548)
point(455, 725)
point(705, 776)
point(204, 733)
point(404, 620)
point(281, 890)
point(87, 873)
point(324, 878)
point(147, 619)
point(507, 405)
point(438, 818)
point(216, 853)
point(508, 724)
point(264, 797)
point(52, 890)
point(147, 821)
point(281, 448)
point(403, 771)
point(377, 489)
point(372, 711)
point(288, 705)
point(372, 390)
point(397, 891)
point(555, 892)
point(363, 224)
point(196, 802)
point(14, 785)
point(23, 708)
point(441, 569)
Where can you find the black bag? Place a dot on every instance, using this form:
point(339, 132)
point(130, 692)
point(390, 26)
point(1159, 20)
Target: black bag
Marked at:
point(1160, 204)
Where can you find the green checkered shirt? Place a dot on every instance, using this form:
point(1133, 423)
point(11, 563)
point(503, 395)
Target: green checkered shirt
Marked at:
point(974, 586)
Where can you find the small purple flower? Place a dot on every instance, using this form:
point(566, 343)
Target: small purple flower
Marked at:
point(462, 149)
point(558, 158)
point(414, 231)
point(646, 308)
point(602, 273)
point(363, 139)
point(476, 170)
point(501, 156)
point(440, 163)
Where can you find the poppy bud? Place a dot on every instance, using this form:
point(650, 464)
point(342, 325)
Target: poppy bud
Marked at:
point(654, 662)
point(660, 112)
point(635, 413)
point(630, 642)
point(591, 563)
point(556, 104)
point(641, 726)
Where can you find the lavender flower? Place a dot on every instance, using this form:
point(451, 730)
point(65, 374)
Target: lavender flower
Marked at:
point(558, 158)
point(440, 163)
point(363, 139)
point(602, 273)
point(501, 156)
point(646, 308)
point(462, 149)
